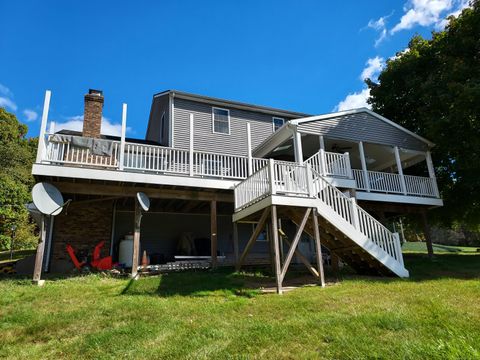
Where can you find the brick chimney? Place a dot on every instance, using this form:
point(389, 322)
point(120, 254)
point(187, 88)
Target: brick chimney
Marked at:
point(92, 116)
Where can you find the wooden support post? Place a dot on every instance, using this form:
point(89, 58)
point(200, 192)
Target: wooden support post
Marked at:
point(37, 270)
point(122, 137)
point(235, 241)
point(318, 248)
point(427, 233)
point(43, 127)
point(213, 232)
point(276, 249)
point(294, 245)
point(136, 240)
point(364, 166)
point(304, 260)
point(254, 237)
point(334, 260)
point(272, 250)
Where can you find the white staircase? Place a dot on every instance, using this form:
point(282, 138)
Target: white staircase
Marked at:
point(347, 230)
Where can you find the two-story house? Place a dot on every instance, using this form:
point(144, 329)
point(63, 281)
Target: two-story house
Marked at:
point(236, 183)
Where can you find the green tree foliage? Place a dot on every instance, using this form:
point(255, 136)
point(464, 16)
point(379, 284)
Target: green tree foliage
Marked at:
point(16, 158)
point(433, 89)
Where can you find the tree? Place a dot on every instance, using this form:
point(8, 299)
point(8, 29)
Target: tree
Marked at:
point(17, 154)
point(433, 89)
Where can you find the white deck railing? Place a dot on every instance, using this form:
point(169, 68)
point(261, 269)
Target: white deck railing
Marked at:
point(391, 183)
point(66, 153)
point(331, 164)
point(422, 186)
point(281, 178)
point(151, 158)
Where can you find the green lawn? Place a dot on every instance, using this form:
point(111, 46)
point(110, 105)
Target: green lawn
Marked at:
point(435, 314)
point(421, 247)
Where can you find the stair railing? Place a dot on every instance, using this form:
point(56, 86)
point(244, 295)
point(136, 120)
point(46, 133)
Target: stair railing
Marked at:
point(361, 220)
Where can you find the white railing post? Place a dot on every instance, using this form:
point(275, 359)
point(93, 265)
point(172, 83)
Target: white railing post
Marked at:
point(348, 165)
point(271, 175)
point(190, 153)
point(364, 166)
point(249, 150)
point(431, 173)
point(323, 163)
point(398, 247)
point(51, 129)
point(43, 127)
point(122, 138)
point(400, 170)
point(309, 179)
point(297, 144)
point(353, 206)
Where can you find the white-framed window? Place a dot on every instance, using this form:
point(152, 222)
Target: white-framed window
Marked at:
point(221, 121)
point(277, 123)
point(263, 236)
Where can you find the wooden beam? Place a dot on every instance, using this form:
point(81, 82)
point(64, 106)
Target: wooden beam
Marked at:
point(127, 191)
point(254, 237)
point(428, 235)
point(235, 241)
point(276, 248)
point(213, 232)
point(318, 248)
point(37, 270)
point(303, 259)
point(294, 245)
point(136, 240)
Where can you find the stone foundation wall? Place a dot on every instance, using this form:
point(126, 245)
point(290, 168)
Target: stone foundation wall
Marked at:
point(82, 226)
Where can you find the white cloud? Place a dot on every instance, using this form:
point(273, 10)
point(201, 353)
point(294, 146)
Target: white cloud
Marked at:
point(7, 103)
point(429, 12)
point(5, 91)
point(379, 25)
point(354, 101)
point(373, 67)
point(30, 115)
point(75, 123)
point(6, 100)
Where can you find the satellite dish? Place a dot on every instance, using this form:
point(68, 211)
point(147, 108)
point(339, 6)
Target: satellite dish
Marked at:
point(143, 200)
point(47, 199)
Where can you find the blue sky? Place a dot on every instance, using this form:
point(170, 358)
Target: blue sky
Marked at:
point(307, 56)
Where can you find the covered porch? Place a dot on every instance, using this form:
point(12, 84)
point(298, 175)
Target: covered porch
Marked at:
point(377, 172)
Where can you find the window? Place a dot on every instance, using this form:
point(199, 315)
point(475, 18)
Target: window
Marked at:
point(221, 121)
point(263, 236)
point(277, 123)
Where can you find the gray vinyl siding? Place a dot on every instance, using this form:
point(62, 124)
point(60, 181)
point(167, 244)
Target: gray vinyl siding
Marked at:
point(206, 140)
point(363, 127)
point(160, 106)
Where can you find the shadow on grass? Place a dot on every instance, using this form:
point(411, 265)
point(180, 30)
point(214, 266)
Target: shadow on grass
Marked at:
point(221, 282)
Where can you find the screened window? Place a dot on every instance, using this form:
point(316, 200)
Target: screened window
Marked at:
point(277, 123)
point(221, 121)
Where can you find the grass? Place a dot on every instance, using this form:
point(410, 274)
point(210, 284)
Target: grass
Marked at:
point(217, 315)
point(421, 247)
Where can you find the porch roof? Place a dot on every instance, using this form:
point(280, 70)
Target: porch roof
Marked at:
point(287, 130)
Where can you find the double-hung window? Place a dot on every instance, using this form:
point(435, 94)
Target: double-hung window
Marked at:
point(277, 123)
point(221, 121)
